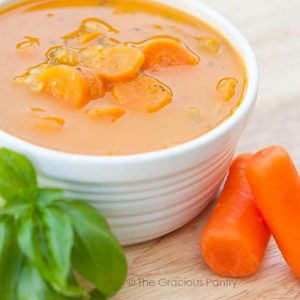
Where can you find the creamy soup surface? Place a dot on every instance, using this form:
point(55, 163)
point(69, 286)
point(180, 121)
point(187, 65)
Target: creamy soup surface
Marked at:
point(121, 77)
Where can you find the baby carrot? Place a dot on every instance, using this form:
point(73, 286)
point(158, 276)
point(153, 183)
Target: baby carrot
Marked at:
point(275, 184)
point(235, 238)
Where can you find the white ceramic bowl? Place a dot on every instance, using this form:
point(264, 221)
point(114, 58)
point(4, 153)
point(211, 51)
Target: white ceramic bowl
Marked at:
point(148, 195)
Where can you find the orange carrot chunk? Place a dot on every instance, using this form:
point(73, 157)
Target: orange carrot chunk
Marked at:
point(65, 83)
point(161, 53)
point(275, 184)
point(143, 93)
point(95, 84)
point(119, 63)
point(235, 238)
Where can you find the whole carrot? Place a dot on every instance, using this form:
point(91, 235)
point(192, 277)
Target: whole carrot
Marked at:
point(235, 238)
point(275, 184)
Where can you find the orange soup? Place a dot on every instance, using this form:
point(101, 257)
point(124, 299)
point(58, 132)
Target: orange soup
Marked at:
point(113, 77)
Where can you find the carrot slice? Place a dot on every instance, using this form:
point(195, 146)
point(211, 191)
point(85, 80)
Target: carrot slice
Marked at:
point(119, 63)
point(143, 93)
point(65, 83)
point(275, 183)
point(161, 53)
point(106, 113)
point(235, 238)
point(95, 84)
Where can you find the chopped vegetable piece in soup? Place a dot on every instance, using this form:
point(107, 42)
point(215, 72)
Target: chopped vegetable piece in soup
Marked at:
point(118, 63)
point(63, 55)
point(143, 93)
point(64, 83)
point(166, 52)
point(49, 123)
point(106, 113)
point(227, 88)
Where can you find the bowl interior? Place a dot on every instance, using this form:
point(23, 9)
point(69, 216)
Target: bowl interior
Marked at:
point(230, 32)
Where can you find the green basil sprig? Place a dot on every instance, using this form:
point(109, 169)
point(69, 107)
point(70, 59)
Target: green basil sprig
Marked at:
point(46, 238)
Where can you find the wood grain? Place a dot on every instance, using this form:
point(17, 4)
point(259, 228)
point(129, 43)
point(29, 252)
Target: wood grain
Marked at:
point(273, 28)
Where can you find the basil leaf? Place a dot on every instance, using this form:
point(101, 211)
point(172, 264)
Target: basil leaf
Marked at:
point(16, 175)
point(10, 261)
point(28, 239)
point(48, 246)
point(47, 196)
point(16, 210)
point(32, 245)
point(43, 238)
point(87, 211)
point(59, 237)
point(31, 286)
point(97, 254)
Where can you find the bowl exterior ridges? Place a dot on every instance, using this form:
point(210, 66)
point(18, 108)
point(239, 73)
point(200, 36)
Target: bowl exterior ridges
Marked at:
point(142, 213)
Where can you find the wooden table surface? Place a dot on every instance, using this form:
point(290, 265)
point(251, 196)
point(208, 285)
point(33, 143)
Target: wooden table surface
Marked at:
point(171, 268)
